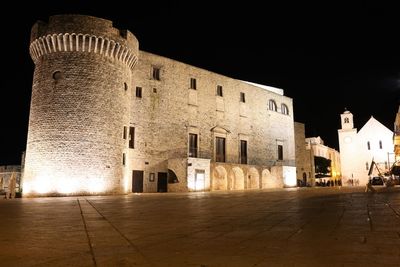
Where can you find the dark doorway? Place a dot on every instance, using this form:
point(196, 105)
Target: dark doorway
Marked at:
point(137, 181)
point(162, 185)
point(304, 178)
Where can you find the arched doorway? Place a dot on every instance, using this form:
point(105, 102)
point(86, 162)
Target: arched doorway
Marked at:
point(219, 181)
point(304, 178)
point(268, 180)
point(238, 178)
point(253, 179)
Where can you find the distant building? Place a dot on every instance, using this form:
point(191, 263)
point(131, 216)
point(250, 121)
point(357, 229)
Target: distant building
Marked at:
point(317, 148)
point(306, 151)
point(107, 118)
point(6, 171)
point(304, 158)
point(374, 141)
point(396, 136)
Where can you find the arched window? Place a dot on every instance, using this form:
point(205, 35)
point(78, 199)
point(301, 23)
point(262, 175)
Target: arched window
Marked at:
point(346, 120)
point(284, 109)
point(272, 105)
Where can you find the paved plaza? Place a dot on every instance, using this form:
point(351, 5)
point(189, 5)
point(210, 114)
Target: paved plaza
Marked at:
point(285, 227)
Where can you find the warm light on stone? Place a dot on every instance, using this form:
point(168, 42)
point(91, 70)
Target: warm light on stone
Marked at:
point(289, 176)
point(79, 106)
point(100, 123)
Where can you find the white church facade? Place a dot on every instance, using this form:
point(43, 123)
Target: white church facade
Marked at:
point(373, 141)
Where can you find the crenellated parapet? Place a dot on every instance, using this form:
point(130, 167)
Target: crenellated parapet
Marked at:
point(83, 34)
point(72, 42)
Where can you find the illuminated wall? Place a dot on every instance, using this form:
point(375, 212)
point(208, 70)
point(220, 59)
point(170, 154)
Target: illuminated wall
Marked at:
point(357, 149)
point(79, 107)
point(304, 157)
point(316, 147)
point(396, 137)
point(87, 88)
point(168, 110)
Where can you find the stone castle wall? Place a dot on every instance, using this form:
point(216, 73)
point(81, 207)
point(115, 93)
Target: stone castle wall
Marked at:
point(169, 110)
point(80, 102)
point(84, 102)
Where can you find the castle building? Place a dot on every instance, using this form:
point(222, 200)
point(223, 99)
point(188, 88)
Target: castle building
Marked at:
point(304, 158)
point(306, 151)
point(374, 142)
point(396, 137)
point(6, 172)
point(317, 149)
point(108, 118)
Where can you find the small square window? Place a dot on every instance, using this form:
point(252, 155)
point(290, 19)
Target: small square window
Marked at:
point(139, 92)
point(219, 90)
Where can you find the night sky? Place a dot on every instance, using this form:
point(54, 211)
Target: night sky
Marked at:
point(327, 57)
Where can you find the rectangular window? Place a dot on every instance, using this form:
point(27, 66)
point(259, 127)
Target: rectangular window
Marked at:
point(124, 133)
point(280, 152)
point(131, 137)
point(123, 159)
point(242, 98)
point(193, 145)
point(219, 90)
point(380, 144)
point(243, 152)
point(139, 92)
point(193, 83)
point(368, 145)
point(220, 149)
point(156, 73)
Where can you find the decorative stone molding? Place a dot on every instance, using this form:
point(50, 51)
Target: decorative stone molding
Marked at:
point(85, 43)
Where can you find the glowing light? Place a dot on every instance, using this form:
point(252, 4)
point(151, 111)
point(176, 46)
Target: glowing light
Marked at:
point(27, 187)
point(66, 186)
point(289, 176)
point(197, 183)
point(63, 184)
point(42, 185)
point(96, 185)
point(126, 186)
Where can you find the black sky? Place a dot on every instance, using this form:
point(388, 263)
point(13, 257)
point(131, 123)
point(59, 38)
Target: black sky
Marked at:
point(326, 56)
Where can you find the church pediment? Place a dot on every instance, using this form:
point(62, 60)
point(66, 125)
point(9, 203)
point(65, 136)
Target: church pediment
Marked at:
point(374, 126)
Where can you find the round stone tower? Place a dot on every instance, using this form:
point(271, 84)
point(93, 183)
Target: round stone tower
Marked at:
point(77, 138)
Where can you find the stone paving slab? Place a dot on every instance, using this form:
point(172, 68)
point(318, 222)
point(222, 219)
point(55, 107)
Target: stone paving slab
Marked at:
point(286, 227)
